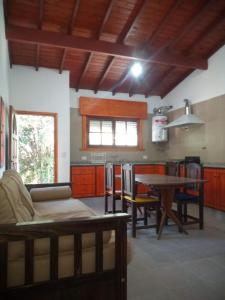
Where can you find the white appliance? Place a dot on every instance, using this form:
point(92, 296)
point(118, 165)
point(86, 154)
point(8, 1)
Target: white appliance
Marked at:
point(159, 121)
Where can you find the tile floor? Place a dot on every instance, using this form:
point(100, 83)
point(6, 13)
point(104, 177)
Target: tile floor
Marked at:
point(177, 267)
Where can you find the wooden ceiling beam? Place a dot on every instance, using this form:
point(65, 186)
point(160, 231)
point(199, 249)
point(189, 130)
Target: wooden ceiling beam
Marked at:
point(84, 69)
point(73, 16)
point(106, 17)
point(122, 79)
point(158, 81)
point(123, 35)
point(175, 83)
point(60, 40)
point(40, 20)
point(185, 30)
point(164, 21)
point(135, 13)
point(208, 30)
point(69, 31)
point(162, 24)
point(6, 11)
point(90, 55)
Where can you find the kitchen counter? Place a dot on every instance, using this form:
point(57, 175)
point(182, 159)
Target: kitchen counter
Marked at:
point(88, 163)
point(214, 165)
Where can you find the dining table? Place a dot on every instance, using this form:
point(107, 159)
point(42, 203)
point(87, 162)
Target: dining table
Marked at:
point(167, 186)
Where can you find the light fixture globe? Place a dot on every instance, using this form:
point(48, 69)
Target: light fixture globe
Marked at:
point(136, 69)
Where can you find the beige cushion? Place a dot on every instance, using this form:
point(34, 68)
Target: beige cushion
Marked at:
point(59, 210)
point(25, 195)
point(50, 193)
point(12, 208)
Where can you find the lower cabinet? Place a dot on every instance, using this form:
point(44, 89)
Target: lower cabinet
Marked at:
point(148, 169)
point(88, 181)
point(214, 188)
point(83, 181)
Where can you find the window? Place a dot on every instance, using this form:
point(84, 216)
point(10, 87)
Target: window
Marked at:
point(112, 133)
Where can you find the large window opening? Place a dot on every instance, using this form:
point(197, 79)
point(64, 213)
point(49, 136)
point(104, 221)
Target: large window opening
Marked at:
point(37, 147)
point(112, 132)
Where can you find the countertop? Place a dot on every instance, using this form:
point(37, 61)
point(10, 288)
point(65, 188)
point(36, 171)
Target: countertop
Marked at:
point(88, 163)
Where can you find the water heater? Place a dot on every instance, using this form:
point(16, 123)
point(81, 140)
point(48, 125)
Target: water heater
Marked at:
point(159, 133)
point(159, 121)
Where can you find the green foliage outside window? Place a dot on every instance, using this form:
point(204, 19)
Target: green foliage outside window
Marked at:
point(36, 148)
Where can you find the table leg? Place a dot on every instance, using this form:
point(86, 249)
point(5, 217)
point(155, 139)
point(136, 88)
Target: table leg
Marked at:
point(167, 197)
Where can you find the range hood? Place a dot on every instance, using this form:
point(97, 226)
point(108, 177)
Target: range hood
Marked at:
point(187, 119)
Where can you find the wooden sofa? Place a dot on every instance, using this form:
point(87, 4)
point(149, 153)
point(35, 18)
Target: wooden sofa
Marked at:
point(44, 256)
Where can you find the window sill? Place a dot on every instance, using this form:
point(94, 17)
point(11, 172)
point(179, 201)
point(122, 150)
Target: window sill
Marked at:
point(114, 149)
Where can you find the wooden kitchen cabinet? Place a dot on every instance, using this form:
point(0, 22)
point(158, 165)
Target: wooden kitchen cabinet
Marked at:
point(214, 188)
point(100, 181)
point(88, 181)
point(83, 181)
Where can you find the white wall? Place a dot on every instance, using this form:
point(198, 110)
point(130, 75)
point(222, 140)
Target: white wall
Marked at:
point(153, 101)
point(200, 85)
point(45, 91)
point(4, 64)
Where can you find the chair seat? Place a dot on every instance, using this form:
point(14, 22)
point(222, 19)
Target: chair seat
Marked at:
point(142, 199)
point(180, 196)
point(116, 192)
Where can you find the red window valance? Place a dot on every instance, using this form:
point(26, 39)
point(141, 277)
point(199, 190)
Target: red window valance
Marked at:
point(112, 108)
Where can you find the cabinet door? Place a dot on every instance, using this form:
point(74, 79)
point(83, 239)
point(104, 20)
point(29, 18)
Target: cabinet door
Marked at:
point(83, 181)
point(100, 181)
point(211, 187)
point(221, 197)
point(160, 169)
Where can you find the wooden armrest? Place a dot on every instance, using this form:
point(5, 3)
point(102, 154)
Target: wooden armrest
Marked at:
point(50, 228)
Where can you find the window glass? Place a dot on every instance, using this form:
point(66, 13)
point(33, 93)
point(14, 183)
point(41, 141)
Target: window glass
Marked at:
point(113, 132)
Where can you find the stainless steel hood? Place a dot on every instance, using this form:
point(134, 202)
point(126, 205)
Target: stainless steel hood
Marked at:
point(187, 119)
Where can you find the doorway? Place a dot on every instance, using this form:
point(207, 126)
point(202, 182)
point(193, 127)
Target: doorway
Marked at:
point(37, 147)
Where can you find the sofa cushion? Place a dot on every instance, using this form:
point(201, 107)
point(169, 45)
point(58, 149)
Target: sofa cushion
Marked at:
point(25, 195)
point(63, 209)
point(12, 208)
point(50, 193)
point(59, 210)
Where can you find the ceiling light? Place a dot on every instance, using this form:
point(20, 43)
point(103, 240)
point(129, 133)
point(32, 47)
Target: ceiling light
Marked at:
point(136, 69)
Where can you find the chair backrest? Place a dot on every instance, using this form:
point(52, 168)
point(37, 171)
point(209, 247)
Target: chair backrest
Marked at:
point(128, 180)
point(173, 168)
point(110, 177)
point(193, 170)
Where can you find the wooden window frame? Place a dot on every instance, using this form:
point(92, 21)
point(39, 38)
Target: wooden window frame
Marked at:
point(87, 147)
point(55, 116)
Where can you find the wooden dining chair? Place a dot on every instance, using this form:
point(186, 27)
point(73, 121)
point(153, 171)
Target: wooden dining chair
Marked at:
point(173, 168)
point(130, 198)
point(110, 189)
point(192, 193)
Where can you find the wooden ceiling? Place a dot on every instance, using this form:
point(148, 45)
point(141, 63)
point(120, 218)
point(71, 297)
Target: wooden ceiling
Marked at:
point(98, 40)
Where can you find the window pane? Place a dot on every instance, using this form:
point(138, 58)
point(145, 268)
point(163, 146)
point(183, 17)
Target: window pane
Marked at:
point(107, 139)
point(106, 126)
point(120, 126)
point(95, 138)
point(131, 133)
point(120, 139)
point(95, 126)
